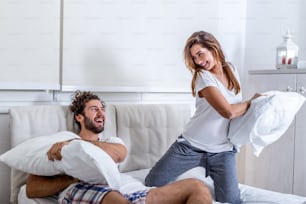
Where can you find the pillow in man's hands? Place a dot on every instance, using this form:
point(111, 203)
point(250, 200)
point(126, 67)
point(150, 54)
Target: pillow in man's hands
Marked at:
point(31, 155)
point(89, 163)
point(81, 159)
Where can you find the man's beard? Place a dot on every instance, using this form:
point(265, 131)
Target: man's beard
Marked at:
point(89, 124)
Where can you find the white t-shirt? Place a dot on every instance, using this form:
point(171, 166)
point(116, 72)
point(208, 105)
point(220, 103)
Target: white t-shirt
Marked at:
point(207, 129)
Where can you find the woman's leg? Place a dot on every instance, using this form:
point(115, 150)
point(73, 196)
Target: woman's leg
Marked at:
point(222, 168)
point(179, 158)
point(188, 191)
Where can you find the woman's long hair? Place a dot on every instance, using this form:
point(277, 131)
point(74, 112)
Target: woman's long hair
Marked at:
point(208, 41)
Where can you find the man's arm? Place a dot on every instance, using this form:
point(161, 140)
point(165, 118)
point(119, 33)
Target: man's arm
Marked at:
point(42, 186)
point(116, 151)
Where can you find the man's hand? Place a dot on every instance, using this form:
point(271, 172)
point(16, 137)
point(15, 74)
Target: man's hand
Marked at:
point(54, 153)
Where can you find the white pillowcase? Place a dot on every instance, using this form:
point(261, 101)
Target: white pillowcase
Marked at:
point(89, 163)
point(81, 159)
point(267, 119)
point(31, 155)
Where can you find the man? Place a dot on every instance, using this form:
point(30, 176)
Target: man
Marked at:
point(89, 114)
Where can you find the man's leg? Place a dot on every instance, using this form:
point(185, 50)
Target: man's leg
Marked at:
point(188, 191)
point(114, 197)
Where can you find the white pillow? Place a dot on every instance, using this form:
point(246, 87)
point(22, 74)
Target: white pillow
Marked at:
point(267, 119)
point(31, 155)
point(89, 163)
point(81, 159)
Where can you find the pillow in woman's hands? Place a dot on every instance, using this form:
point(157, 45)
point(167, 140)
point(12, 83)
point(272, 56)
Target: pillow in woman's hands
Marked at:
point(267, 119)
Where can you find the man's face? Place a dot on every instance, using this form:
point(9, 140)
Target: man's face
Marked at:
point(94, 116)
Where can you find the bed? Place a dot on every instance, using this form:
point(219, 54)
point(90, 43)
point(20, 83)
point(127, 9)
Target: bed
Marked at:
point(147, 130)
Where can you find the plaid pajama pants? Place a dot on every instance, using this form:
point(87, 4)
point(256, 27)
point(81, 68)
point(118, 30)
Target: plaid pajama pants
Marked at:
point(84, 193)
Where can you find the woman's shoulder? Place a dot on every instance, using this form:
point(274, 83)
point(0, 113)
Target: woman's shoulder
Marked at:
point(206, 79)
point(206, 74)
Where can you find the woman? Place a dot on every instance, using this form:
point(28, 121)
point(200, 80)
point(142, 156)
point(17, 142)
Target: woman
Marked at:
point(216, 87)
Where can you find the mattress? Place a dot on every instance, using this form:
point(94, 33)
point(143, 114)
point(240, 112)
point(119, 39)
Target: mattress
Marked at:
point(134, 181)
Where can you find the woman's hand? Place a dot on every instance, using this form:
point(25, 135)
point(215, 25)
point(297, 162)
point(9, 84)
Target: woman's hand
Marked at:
point(256, 96)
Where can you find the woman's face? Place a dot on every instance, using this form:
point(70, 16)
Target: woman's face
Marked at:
point(202, 57)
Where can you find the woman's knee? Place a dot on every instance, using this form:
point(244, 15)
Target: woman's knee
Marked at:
point(228, 195)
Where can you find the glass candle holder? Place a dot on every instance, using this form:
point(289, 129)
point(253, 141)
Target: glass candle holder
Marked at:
point(287, 53)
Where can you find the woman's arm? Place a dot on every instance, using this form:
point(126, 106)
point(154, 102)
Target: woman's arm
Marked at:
point(220, 104)
point(42, 186)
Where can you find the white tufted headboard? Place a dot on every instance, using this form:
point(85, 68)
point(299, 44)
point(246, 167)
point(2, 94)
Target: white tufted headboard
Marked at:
point(146, 129)
point(31, 121)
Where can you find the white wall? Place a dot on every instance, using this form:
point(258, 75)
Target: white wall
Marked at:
point(138, 45)
point(266, 22)
point(29, 44)
point(109, 46)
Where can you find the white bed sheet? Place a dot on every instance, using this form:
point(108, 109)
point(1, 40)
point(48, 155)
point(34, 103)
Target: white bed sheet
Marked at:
point(256, 195)
point(134, 181)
